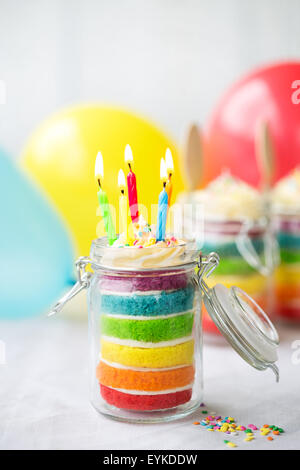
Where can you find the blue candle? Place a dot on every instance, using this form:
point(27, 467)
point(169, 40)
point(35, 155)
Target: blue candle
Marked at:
point(162, 205)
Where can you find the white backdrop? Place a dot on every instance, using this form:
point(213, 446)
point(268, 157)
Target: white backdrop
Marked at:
point(168, 59)
point(44, 403)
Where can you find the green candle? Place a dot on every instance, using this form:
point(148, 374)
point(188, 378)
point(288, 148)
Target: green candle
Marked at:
point(103, 202)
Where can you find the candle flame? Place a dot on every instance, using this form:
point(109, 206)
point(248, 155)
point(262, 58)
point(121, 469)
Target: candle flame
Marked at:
point(163, 171)
point(128, 154)
point(121, 180)
point(99, 172)
point(169, 161)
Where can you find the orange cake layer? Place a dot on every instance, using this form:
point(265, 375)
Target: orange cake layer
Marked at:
point(288, 291)
point(143, 380)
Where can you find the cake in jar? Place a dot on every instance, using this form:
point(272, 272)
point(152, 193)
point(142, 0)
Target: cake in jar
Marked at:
point(146, 323)
point(226, 216)
point(286, 212)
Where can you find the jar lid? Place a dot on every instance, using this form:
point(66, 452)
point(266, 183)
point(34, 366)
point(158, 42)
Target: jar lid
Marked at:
point(244, 325)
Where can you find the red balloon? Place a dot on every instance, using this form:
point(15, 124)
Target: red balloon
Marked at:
point(271, 94)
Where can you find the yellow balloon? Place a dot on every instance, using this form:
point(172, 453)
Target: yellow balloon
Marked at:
point(61, 153)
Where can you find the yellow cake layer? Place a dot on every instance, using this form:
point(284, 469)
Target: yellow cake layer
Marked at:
point(251, 283)
point(288, 274)
point(170, 356)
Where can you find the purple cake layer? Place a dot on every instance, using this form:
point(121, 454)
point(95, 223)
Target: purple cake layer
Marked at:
point(232, 228)
point(289, 225)
point(159, 280)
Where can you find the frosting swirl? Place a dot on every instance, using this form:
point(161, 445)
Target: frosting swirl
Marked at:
point(226, 197)
point(286, 194)
point(143, 252)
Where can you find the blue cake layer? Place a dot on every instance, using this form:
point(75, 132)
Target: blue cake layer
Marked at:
point(162, 303)
point(289, 240)
point(230, 249)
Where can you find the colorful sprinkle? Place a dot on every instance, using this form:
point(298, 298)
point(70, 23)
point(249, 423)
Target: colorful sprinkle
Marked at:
point(227, 425)
point(231, 444)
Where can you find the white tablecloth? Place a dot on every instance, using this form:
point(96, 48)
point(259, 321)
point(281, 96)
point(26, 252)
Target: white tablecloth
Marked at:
point(44, 395)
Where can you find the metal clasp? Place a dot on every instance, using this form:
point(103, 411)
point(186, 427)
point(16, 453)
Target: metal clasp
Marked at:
point(83, 281)
point(206, 266)
point(249, 253)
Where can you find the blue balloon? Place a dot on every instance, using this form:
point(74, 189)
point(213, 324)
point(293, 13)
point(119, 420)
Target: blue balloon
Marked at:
point(36, 252)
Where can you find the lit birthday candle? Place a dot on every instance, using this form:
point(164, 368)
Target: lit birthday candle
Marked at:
point(170, 171)
point(123, 205)
point(131, 185)
point(103, 201)
point(162, 204)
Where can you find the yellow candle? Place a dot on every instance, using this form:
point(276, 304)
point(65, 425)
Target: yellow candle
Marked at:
point(170, 171)
point(123, 205)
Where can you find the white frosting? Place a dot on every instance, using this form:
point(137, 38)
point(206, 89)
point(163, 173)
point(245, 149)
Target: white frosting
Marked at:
point(226, 197)
point(141, 369)
point(148, 317)
point(140, 250)
point(142, 344)
point(136, 292)
point(154, 256)
point(160, 392)
point(286, 194)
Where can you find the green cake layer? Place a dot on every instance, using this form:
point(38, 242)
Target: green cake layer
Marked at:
point(161, 329)
point(290, 256)
point(234, 266)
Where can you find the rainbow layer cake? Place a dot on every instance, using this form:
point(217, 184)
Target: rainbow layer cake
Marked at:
point(147, 347)
point(286, 208)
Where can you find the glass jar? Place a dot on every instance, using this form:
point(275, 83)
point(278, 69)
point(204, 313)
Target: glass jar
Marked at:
point(287, 275)
point(146, 333)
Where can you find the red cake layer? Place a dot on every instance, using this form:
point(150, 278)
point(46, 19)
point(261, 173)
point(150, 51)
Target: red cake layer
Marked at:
point(290, 313)
point(144, 402)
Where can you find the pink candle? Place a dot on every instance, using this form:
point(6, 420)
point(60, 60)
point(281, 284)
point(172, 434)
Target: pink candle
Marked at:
point(131, 185)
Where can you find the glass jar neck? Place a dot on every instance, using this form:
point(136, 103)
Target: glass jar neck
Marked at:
point(156, 258)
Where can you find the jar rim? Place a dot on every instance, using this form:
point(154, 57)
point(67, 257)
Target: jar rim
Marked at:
point(146, 259)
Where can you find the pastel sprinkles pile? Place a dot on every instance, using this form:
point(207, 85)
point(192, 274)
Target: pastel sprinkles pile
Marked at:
point(147, 349)
point(228, 425)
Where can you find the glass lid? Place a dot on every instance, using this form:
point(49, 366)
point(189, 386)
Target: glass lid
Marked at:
point(242, 322)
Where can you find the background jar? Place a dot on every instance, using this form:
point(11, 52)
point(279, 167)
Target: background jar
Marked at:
point(287, 274)
point(247, 256)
